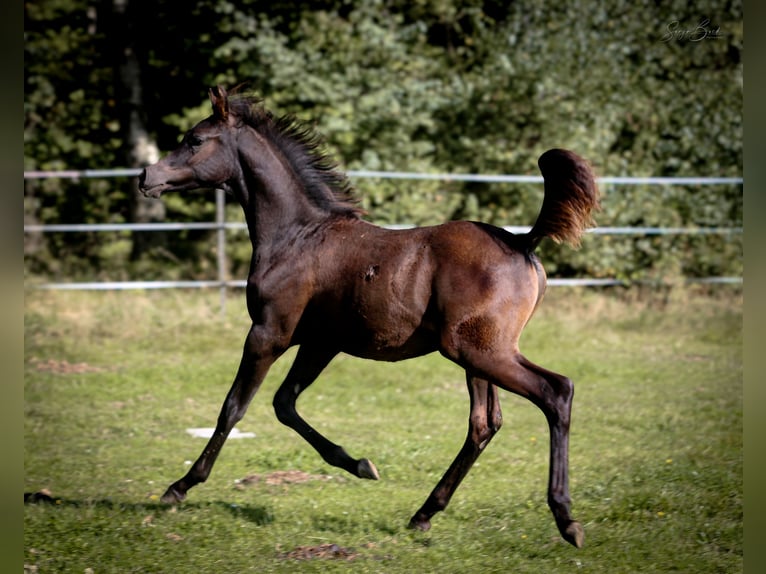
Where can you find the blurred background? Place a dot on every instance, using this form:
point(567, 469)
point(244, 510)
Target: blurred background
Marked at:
point(427, 86)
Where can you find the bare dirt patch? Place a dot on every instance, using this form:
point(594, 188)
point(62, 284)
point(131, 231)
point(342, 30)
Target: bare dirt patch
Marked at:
point(323, 551)
point(281, 477)
point(63, 367)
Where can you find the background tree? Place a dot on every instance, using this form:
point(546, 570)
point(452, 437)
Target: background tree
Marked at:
point(428, 85)
point(121, 28)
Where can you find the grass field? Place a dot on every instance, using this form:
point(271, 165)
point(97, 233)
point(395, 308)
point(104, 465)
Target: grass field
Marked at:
point(113, 380)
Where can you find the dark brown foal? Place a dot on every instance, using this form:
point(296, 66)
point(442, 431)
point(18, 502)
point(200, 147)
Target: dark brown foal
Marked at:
point(325, 280)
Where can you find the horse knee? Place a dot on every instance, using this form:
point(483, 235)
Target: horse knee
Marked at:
point(284, 406)
point(232, 412)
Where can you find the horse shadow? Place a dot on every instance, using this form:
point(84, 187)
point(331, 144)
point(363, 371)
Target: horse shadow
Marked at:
point(259, 515)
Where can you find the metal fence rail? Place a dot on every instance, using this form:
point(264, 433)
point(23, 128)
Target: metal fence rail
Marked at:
point(489, 178)
point(221, 225)
point(70, 227)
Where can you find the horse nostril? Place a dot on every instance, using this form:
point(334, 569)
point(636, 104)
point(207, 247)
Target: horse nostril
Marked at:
point(142, 179)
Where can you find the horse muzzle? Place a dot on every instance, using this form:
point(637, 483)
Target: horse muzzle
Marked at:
point(149, 185)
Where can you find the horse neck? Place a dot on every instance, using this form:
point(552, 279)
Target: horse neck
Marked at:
point(270, 192)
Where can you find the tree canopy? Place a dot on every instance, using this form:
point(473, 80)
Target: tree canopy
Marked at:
point(463, 86)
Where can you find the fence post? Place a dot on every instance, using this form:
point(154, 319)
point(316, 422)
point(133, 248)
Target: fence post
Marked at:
point(220, 219)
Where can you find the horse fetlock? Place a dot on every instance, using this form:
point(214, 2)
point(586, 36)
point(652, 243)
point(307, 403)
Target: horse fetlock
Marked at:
point(365, 469)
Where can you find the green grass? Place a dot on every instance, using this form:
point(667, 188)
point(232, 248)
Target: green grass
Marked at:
point(112, 380)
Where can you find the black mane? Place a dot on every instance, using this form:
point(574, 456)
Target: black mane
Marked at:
point(303, 147)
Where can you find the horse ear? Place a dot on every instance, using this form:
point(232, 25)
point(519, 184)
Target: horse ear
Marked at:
point(220, 100)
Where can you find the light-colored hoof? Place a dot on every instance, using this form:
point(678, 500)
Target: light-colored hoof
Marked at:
point(366, 469)
point(575, 534)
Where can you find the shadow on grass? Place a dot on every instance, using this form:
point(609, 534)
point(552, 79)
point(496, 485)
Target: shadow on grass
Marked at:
point(258, 515)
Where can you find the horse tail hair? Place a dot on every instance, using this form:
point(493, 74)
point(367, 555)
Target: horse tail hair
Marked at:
point(571, 195)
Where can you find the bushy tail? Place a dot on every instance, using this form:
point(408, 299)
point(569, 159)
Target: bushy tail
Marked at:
point(571, 195)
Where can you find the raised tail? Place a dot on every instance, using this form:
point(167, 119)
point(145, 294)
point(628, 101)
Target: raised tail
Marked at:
point(571, 195)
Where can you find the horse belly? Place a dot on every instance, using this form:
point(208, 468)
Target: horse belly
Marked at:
point(385, 315)
point(391, 333)
point(419, 343)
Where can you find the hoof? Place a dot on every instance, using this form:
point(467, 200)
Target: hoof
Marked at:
point(365, 469)
point(574, 534)
point(422, 525)
point(172, 496)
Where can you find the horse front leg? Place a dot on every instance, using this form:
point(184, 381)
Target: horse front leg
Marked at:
point(485, 420)
point(252, 370)
point(309, 362)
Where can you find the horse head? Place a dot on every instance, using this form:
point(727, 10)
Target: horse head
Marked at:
point(206, 157)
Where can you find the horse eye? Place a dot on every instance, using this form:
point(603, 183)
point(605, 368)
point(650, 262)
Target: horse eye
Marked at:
point(194, 141)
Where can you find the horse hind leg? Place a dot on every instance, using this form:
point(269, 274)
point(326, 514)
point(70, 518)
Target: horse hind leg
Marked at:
point(552, 393)
point(484, 421)
point(309, 362)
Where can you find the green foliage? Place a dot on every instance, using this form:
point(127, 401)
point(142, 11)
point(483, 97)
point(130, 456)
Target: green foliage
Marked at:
point(435, 86)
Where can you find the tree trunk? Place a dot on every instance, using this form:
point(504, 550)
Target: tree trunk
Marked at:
point(140, 149)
